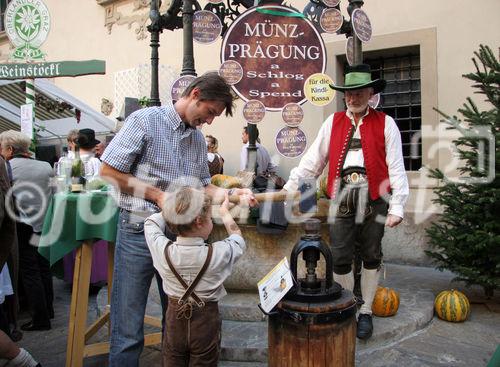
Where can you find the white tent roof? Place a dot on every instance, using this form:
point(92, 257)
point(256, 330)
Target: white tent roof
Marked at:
point(55, 124)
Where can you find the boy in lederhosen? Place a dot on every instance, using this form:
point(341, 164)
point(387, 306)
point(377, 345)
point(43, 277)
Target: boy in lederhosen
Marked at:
point(193, 273)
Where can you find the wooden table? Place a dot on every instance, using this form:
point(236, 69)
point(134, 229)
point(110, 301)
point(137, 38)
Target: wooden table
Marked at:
point(72, 222)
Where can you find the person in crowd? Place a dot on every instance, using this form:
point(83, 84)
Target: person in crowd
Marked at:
point(64, 162)
point(366, 181)
point(215, 161)
point(31, 190)
point(87, 143)
point(264, 162)
point(9, 254)
point(193, 273)
point(12, 355)
point(71, 139)
point(157, 148)
point(99, 149)
point(7, 223)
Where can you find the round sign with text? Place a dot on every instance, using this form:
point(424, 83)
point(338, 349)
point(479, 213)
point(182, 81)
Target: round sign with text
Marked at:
point(231, 71)
point(180, 85)
point(291, 142)
point(317, 89)
point(207, 27)
point(331, 3)
point(254, 111)
point(361, 25)
point(278, 50)
point(292, 114)
point(349, 50)
point(331, 20)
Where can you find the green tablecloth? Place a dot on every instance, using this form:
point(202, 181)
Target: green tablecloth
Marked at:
point(72, 218)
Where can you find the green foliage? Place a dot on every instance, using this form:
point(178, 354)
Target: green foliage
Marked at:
point(144, 102)
point(466, 240)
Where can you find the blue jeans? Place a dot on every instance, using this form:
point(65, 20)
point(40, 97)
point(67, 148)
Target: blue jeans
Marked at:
point(132, 275)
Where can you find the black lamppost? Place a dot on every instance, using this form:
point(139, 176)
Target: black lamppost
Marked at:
point(357, 47)
point(187, 28)
point(155, 29)
point(173, 19)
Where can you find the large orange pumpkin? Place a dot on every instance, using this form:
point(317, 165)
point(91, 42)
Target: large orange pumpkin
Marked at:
point(452, 306)
point(386, 302)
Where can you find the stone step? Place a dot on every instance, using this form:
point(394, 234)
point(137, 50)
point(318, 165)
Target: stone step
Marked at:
point(241, 307)
point(241, 364)
point(244, 341)
point(244, 331)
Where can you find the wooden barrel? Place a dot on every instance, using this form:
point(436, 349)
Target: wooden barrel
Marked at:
point(313, 334)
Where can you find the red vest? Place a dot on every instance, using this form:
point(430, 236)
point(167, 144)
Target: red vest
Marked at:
point(373, 147)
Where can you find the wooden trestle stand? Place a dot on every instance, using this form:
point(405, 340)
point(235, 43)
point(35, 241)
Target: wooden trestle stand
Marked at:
point(78, 332)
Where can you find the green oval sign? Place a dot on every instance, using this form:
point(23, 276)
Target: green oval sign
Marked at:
point(27, 24)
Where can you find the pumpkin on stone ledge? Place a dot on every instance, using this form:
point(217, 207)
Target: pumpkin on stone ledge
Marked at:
point(386, 302)
point(452, 306)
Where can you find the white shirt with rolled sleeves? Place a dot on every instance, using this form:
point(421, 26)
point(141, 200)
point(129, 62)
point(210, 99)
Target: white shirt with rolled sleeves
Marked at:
point(188, 254)
point(316, 159)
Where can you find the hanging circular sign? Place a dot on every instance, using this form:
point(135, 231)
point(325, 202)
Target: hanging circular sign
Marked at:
point(292, 114)
point(361, 25)
point(349, 50)
point(254, 111)
point(331, 3)
point(207, 27)
point(374, 101)
point(231, 71)
point(180, 85)
point(317, 89)
point(27, 24)
point(331, 20)
point(278, 50)
point(291, 142)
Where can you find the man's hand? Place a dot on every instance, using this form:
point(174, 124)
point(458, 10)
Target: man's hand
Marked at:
point(246, 196)
point(393, 220)
point(162, 197)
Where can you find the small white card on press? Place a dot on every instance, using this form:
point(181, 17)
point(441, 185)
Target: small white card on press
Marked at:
point(274, 286)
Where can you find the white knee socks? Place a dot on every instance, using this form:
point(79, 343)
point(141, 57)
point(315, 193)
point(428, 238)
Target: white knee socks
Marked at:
point(23, 359)
point(369, 283)
point(345, 280)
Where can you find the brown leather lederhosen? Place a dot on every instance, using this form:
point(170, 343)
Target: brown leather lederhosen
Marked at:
point(192, 332)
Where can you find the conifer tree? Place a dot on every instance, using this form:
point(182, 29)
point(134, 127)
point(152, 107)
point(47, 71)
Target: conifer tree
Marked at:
point(466, 238)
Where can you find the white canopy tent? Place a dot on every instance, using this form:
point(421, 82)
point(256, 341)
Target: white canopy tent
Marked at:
point(53, 123)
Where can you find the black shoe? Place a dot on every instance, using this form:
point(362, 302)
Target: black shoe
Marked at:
point(30, 326)
point(365, 326)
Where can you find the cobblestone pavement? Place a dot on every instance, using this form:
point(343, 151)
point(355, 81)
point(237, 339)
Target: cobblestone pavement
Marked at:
point(440, 343)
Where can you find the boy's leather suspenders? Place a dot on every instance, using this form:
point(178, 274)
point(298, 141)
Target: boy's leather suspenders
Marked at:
point(186, 306)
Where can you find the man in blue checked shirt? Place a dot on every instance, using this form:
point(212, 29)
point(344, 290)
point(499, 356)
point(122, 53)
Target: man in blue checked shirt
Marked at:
point(157, 149)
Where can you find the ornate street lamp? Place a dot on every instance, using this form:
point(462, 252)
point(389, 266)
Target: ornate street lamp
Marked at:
point(227, 11)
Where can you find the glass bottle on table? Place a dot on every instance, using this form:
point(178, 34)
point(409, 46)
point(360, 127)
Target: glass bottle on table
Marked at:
point(77, 172)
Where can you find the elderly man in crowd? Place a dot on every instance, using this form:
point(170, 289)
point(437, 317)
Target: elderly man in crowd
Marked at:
point(31, 189)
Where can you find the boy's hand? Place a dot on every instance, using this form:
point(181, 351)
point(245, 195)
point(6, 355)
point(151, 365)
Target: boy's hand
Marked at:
point(224, 207)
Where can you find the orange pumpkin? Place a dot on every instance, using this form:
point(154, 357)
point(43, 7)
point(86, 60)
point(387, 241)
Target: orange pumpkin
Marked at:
point(386, 302)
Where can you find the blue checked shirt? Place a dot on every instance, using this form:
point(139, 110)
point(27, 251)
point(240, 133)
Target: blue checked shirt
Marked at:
point(156, 147)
